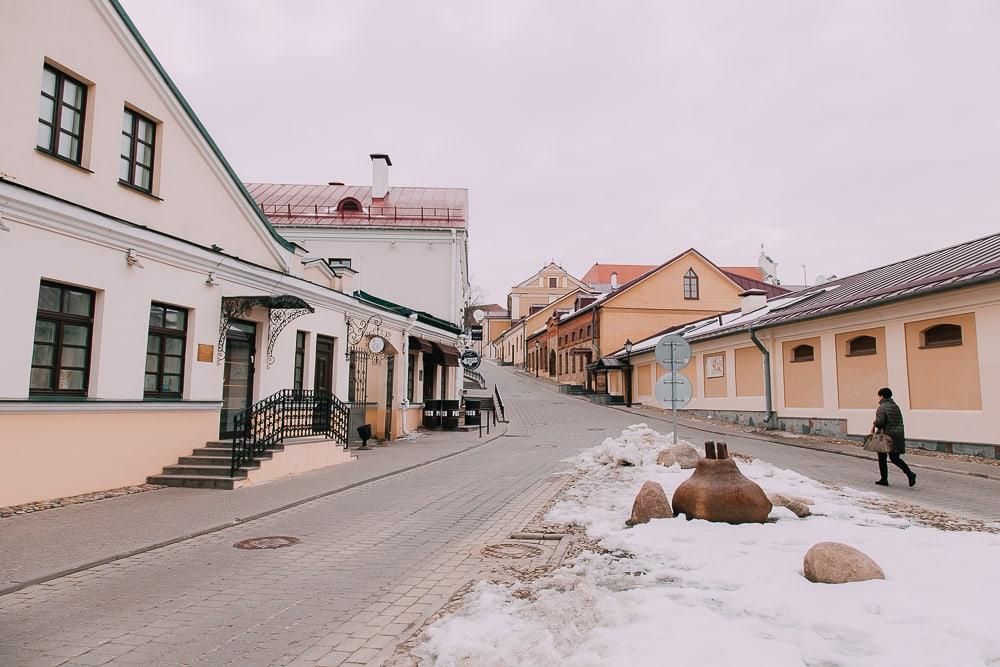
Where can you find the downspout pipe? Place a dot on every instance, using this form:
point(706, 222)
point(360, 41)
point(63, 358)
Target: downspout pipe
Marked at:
point(770, 420)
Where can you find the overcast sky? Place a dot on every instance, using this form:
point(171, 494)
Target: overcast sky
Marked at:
point(841, 135)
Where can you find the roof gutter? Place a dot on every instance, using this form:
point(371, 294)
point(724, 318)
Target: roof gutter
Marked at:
point(770, 419)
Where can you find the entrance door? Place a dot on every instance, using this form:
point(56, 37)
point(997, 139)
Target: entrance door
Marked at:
point(323, 385)
point(237, 374)
point(430, 370)
point(323, 379)
point(390, 365)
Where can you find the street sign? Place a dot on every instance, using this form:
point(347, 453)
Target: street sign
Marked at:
point(470, 359)
point(673, 352)
point(478, 315)
point(673, 391)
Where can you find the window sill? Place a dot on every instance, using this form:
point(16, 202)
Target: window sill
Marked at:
point(133, 188)
point(937, 345)
point(861, 354)
point(801, 361)
point(64, 160)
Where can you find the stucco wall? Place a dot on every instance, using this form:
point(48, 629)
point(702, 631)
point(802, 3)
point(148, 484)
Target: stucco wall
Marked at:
point(803, 380)
point(749, 371)
point(860, 377)
point(944, 378)
point(715, 387)
point(49, 455)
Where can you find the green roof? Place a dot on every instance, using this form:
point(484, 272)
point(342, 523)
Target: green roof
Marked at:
point(285, 243)
point(391, 307)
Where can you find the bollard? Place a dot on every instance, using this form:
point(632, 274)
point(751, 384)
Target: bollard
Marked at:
point(710, 449)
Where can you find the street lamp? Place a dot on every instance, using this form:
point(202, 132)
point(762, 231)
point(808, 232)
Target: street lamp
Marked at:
point(628, 362)
point(538, 346)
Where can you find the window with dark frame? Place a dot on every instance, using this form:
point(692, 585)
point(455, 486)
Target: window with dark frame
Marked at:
point(300, 359)
point(553, 282)
point(138, 142)
point(61, 115)
point(803, 353)
point(411, 372)
point(861, 346)
point(691, 285)
point(349, 204)
point(60, 358)
point(942, 335)
point(165, 347)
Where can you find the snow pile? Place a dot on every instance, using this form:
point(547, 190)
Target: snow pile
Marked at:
point(638, 445)
point(693, 592)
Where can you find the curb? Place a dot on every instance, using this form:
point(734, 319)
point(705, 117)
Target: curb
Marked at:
point(751, 436)
point(14, 587)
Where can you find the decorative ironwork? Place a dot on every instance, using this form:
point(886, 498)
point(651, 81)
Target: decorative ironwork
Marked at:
point(239, 307)
point(289, 413)
point(277, 320)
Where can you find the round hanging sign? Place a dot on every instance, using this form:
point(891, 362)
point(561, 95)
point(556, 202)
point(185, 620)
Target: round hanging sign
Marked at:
point(376, 344)
point(470, 359)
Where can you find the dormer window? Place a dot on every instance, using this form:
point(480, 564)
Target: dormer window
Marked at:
point(803, 353)
point(941, 335)
point(691, 285)
point(349, 204)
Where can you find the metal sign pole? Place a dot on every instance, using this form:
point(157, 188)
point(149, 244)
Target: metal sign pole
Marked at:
point(673, 394)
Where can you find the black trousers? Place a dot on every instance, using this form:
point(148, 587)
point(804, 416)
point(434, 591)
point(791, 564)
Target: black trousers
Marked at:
point(883, 467)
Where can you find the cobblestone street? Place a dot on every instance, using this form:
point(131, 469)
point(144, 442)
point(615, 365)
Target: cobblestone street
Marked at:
point(373, 562)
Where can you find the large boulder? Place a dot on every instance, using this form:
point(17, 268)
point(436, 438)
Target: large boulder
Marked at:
point(650, 503)
point(718, 491)
point(682, 454)
point(838, 563)
point(798, 506)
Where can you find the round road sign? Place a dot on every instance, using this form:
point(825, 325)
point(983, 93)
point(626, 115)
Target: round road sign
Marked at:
point(478, 315)
point(673, 352)
point(470, 359)
point(673, 390)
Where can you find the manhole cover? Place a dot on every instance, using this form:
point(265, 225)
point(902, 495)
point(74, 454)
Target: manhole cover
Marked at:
point(272, 542)
point(511, 551)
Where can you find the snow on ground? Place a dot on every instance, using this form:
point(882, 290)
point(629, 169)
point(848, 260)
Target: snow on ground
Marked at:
point(701, 593)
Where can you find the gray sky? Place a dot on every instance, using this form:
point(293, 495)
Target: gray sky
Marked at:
point(842, 135)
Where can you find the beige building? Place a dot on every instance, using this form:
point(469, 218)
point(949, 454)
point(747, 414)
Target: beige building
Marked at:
point(925, 327)
point(541, 289)
point(150, 306)
point(684, 288)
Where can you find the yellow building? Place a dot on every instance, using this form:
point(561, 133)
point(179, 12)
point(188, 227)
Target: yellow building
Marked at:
point(541, 289)
point(925, 327)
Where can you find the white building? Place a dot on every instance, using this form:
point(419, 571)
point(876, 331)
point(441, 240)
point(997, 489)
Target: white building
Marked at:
point(407, 244)
point(148, 301)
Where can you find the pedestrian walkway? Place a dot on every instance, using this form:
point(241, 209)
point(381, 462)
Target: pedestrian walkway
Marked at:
point(42, 545)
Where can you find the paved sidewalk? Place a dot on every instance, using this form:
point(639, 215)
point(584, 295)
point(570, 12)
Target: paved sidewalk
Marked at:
point(42, 545)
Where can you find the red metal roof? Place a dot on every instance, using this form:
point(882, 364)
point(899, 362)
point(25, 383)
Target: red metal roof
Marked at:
point(600, 274)
point(751, 272)
point(317, 205)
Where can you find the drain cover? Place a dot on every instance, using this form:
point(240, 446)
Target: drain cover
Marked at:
point(272, 542)
point(511, 551)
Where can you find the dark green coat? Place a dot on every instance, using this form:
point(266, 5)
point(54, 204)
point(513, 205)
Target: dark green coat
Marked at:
point(889, 418)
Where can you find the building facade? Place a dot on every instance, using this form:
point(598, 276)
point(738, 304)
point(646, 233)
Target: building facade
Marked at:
point(924, 327)
point(407, 244)
point(548, 284)
point(149, 299)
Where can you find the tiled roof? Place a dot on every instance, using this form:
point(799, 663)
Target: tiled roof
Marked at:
point(316, 205)
point(600, 274)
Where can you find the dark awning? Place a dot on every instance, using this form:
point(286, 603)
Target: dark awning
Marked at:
point(269, 301)
point(606, 364)
point(418, 345)
point(445, 354)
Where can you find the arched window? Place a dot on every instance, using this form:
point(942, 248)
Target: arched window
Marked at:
point(941, 335)
point(803, 353)
point(349, 204)
point(690, 284)
point(862, 345)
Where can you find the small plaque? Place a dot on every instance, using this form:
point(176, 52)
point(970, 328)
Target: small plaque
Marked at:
point(206, 352)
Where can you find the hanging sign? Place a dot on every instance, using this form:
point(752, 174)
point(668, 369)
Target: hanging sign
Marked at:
point(470, 359)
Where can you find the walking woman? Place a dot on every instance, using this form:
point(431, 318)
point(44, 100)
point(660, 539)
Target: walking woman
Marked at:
point(889, 420)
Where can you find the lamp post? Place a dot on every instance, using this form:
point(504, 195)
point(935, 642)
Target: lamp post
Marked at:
point(628, 362)
point(538, 346)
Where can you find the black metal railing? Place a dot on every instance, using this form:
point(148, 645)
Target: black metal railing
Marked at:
point(475, 377)
point(499, 403)
point(289, 413)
